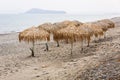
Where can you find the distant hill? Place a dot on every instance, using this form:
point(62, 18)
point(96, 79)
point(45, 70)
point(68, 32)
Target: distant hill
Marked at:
point(42, 11)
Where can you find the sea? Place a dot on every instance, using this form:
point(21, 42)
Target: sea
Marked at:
point(10, 23)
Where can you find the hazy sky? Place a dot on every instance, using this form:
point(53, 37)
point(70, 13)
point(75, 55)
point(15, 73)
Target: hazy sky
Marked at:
point(70, 6)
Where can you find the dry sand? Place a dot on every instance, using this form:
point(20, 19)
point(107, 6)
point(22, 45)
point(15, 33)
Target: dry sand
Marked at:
point(56, 64)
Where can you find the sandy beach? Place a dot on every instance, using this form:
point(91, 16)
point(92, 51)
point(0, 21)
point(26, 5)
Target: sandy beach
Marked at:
point(57, 64)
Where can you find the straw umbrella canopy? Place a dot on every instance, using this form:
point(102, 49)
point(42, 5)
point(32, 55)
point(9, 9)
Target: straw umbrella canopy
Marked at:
point(33, 34)
point(47, 26)
point(86, 31)
point(108, 21)
point(97, 31)
point(66, 33)
point(64, 24)
point(60, 25)
point(104, 26)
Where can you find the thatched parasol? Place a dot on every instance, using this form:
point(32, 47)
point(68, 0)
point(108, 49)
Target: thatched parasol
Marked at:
point(104, 26)
point(58, 26)
point(33, 34)
point(86, 31)
point(69, 33)
point(96, 29)
point(108, 21)
point(47, 26)
point(64, 24)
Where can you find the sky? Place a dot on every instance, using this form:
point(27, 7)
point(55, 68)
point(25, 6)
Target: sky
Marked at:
point(70, 6)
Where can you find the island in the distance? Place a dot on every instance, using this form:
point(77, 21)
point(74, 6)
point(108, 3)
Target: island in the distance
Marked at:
point(42, 11)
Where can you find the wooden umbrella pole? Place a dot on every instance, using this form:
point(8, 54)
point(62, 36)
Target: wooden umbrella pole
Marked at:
point(58, 44)
point(32, 49)
point(81, 45)
point(46, 45)
point(71, 47)
point(88, 42)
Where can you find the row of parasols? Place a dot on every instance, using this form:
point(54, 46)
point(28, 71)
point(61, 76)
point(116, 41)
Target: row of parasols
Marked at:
point(70, 31)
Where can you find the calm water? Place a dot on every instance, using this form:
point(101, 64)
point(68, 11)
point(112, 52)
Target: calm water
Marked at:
point(18, 22)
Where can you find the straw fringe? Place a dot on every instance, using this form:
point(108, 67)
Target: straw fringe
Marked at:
point(33, 34)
